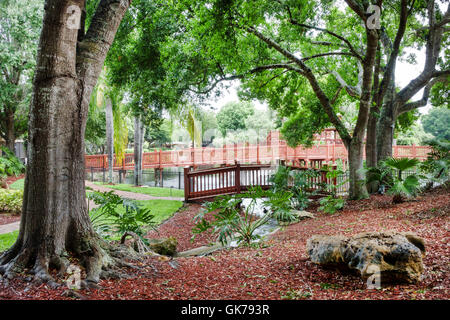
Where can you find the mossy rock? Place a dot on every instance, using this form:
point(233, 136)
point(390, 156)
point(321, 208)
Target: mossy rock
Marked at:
point(165, 246)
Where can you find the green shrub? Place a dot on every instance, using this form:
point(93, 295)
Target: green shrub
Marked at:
point(389, 174)
point(301, 189)
point(11, 200)
point(332, 203)
point(280, 204)
point(437, 165)
point(228, 222)
point(108, 219)
point(9, 164)
point(297, 182)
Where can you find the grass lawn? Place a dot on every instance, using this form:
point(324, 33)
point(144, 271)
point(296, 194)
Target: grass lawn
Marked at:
point(161, 209)
point(17, 185)
point(7, 240)
point(152, 191)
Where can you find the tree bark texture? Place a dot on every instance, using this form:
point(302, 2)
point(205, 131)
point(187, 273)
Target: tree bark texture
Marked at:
point(109, 138)
point(55, 221)
point(138, 140)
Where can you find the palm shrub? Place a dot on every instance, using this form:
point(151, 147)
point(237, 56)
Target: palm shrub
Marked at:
point(390, 174)
point(108, 218)
point(225, 219)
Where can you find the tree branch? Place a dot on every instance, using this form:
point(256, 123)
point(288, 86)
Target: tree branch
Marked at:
point(98, 39)
point(348, 44)
point(394, 49)
point(433, 47)
point(307, 72)
point(426, 93)
point(286, 66)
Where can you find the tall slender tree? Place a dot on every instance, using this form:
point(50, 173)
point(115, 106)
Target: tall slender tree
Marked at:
point(20, 23)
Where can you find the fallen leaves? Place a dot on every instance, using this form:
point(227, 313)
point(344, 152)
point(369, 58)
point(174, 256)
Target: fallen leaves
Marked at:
point(280, 268)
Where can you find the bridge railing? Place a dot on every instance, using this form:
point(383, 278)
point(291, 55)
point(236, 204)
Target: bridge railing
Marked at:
point(244, 153)
point(209, 183)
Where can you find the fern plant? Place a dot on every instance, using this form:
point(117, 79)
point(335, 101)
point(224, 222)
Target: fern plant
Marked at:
point(108, 218)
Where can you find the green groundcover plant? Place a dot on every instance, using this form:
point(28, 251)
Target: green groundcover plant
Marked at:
point(108, 219)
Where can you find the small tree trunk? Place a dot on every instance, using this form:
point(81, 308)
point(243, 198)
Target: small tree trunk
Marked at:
point(385, 132)
point(10, 132)
point(358, 188)
point(137, 151)
point(141, 150)
point(109, 138)
point(371, 149)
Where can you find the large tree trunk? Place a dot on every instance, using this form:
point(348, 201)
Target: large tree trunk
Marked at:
point(109, 138)
point(55, 221)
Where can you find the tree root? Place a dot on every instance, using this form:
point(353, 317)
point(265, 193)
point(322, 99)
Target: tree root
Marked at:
point(101, 261)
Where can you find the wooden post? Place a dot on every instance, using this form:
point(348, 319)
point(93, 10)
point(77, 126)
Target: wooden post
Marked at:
point(237, 177)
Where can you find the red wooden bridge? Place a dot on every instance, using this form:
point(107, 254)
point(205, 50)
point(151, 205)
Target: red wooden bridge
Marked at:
point(208, 183)
point(329, 148)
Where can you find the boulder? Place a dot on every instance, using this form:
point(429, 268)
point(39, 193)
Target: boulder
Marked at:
point(396, 256)
point(301, 215)
point(165, 246)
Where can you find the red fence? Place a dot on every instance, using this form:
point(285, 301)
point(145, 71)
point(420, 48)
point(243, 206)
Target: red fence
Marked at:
point(245, 153)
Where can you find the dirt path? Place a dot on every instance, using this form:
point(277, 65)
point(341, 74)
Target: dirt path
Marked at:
point(10, 227)
point(130, 195)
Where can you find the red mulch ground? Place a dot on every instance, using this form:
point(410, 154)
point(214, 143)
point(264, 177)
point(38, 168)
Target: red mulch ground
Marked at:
point(6, 218)
point(281, 266)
